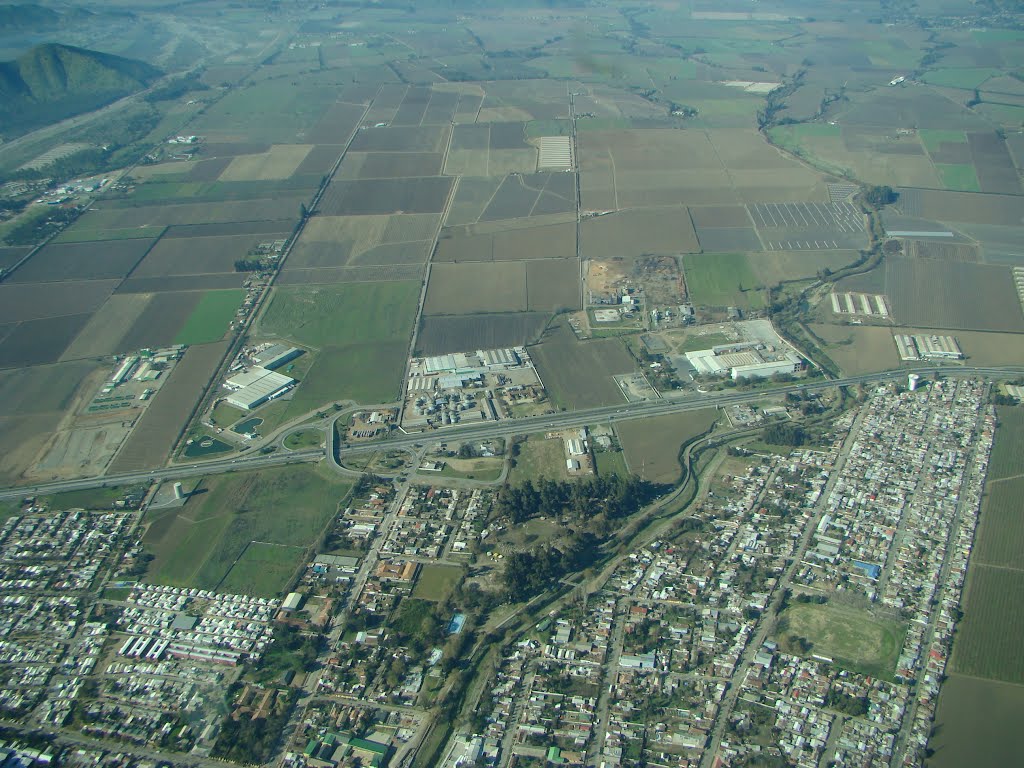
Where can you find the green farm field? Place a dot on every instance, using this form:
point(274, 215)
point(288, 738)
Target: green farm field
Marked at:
point(209, 320)
point(198, 545)
point(959, 177)
point(722, 279)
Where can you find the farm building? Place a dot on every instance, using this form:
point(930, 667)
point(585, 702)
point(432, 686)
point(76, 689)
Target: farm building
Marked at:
point(256, 386)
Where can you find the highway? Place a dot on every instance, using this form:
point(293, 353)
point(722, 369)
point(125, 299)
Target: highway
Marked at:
point(488, 429)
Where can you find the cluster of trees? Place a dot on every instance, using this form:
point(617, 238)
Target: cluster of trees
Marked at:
point(253, 741)
point(609, 495)
point(251, 265)
point(785, 433)
point(529, 573)
point(879, 196)
point(855, 706)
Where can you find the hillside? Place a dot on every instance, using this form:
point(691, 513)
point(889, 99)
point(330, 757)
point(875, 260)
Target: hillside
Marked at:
point(52, 82)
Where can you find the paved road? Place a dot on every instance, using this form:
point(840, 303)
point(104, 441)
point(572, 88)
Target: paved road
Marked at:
point(490, 429)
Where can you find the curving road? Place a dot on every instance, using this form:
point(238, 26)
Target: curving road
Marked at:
point(487, 429)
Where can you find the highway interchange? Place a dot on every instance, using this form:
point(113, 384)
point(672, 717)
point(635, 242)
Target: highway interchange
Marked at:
point(259, 458)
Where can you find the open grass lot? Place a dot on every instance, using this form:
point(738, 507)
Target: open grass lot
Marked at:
point(773, 267)
point(578, 374)
point(935, 294)
point(611, 463)
point(368, 373)
point(279, 162)
point(333, 315)
point(165, 418)
point(82, 261)
point(651, 446)
point(721, 280)
point(639, 232)
point(209, 320)
point(198, 545)
point(977, 723)
point(858, 349)
point(956, 77)
point(484, 469)
point(852, 637)
point(538, 457)
point(264, 569)
point(934, 138)
point(435, 582)
point(441, 334)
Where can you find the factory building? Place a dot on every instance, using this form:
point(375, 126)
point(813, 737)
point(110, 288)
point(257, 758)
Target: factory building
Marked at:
point(256, 386)
point(274, 357)
point(742, 361)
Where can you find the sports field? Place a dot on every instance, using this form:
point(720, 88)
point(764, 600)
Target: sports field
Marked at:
point(852, 637)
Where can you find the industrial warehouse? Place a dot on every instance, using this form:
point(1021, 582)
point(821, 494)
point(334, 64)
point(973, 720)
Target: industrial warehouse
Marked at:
point(927, 347)
point(258, 381)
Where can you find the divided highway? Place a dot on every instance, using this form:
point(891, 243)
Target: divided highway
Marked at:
point(489, 429)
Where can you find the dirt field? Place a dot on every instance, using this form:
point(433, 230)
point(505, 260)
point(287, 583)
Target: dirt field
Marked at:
point(158, 323)
point(385, 196)
point(330, 241)
point(440, 335)
point(552, 285)
point(33, 402)
point(936, 294)
point(105, 329)
point(34, 301)
point(210, 282)
point(284, 207)
point(977, 723)
point(553, 241)
point(639, 232)
point(651, 446)
point(320, 160)
point(579, 374)
point(401, 139)
point(530, 194)
point(471, 287)
point(82, 261)
point(200, 255)
point(335, 127)
point(168, 414)
point(280, 162)
point(961, 206)
point(35, 342)
point(390, 165)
